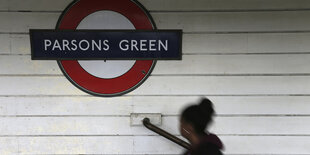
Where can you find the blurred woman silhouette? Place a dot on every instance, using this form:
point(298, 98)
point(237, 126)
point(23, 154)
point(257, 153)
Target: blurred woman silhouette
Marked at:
point(193, 124)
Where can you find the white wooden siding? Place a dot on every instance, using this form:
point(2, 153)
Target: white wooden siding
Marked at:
point(195, 22)
point(118, 126)
point(251, 57)
point(257, 64)
point(136, 145)
point(170, 5)
point(123, 106)
point(156, 85)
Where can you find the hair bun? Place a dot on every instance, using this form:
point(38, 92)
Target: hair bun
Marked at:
point(206, 107)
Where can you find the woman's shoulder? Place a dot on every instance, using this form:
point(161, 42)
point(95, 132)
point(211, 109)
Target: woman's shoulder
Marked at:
point(212, 139)
point(210, 145)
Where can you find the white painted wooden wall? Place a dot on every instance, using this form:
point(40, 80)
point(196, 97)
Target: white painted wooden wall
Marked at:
point(251, 57)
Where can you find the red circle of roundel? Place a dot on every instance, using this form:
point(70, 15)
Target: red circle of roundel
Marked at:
point(125, 83)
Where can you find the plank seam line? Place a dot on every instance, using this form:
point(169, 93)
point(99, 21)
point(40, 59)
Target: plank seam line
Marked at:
point(230, 10)
point(179, 11)
point(30, 11)
point(8, 54)
point(189, 54)
point(129, 154)
point(171, 95)
point(260, 74)
point(246, 32)
point(15, 33)
point(206, 32)
point(163, 154)
point(247, 53)
point(155, 135)
point(55, 116)
point(125, 154)
point(163, 115)
point(253, 115)
point(172, 75)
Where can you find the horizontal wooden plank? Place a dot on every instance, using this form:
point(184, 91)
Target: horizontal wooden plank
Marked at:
point(139, 145)
point(236, 64)
point(8, 146)
point(246, 43)
point(24, 65)
point(23, 21)
point(166, 105)
point(47, 85)
point(178, 85)
point(190, 65)
point(271, 85)
point(202, 43)
point(259, 125)
point(20, 44)
point(15, 44)
point(66, 106)
point(222, 5)
point(4, 5)
point(187, 21)
point(76, 145)
point(5, 44)
point(234, 22)
point(114, 126)
point(171, 5)
point(249, 145)
point(35, 5)
point(266, 145)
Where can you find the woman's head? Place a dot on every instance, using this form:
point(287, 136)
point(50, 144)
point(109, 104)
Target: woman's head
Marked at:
point(196, 118)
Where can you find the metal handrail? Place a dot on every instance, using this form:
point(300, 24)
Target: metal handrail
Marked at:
point(149, 125)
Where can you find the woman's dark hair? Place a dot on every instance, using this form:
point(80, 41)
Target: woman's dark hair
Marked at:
point(199, 115)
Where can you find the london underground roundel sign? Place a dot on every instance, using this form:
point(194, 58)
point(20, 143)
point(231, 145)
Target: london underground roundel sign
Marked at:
point(106, 77)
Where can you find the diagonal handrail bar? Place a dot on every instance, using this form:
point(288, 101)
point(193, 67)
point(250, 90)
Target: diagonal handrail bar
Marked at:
point(149, 125)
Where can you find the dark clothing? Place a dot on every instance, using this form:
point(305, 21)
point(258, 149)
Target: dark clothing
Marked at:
point(210, 145)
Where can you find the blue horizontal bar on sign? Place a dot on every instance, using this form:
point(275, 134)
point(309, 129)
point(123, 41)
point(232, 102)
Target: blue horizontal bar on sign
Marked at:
point(106, 44)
